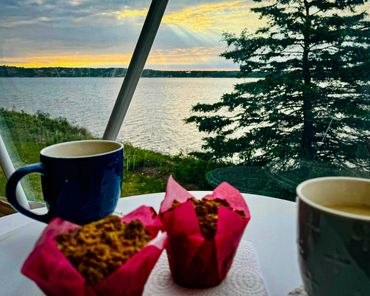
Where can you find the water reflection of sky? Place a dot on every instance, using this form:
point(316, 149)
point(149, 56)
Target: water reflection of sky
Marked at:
point(154, 119)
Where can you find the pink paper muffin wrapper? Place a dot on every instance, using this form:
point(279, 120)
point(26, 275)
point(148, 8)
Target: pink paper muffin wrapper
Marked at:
point(196, 262)
point(55, 275)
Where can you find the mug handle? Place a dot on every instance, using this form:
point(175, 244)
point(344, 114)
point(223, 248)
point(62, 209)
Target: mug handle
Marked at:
point(11, 187)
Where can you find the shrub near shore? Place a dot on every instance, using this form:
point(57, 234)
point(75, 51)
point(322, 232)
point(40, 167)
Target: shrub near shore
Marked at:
point(144, 171)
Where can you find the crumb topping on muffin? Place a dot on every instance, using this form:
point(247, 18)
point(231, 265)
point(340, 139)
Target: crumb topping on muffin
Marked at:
point(99, 248)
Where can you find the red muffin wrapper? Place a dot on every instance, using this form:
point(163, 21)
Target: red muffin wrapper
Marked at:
point(55, 275)
point(196, 262)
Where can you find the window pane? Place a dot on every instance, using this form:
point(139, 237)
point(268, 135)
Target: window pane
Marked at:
point(287, 100)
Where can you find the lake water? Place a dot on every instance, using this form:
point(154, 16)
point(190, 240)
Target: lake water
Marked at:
point(154, 121)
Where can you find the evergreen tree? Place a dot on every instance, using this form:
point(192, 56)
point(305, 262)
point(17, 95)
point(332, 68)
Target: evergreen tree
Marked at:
point(313, 102)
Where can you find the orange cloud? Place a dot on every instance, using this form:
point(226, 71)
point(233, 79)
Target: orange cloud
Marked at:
point(178, 56)
point(127, 13)
point(230, 16)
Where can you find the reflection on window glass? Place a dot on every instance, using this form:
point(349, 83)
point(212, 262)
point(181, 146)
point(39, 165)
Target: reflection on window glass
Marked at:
point(287, 100)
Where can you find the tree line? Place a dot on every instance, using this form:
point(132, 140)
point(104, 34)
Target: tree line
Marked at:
point(10, 71)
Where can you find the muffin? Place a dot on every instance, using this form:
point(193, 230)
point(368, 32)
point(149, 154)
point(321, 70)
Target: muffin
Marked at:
point(203, 235)
point(112, 256)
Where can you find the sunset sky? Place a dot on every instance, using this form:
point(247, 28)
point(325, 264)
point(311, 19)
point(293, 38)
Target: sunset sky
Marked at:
point(96, 33)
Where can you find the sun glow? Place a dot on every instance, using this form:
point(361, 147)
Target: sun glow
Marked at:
point(177, 56)
point(199, 27)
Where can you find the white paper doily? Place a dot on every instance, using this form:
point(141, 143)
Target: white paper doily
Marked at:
point(244, 278)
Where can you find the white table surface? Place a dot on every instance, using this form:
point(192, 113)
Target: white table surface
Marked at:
point(272, 229)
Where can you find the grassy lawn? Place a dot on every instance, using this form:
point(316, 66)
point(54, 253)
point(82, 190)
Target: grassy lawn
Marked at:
point(144, 171)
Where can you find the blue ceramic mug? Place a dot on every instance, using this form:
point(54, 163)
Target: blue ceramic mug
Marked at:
point(81, 180)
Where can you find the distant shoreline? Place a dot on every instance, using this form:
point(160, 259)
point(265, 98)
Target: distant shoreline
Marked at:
point(10, 71)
